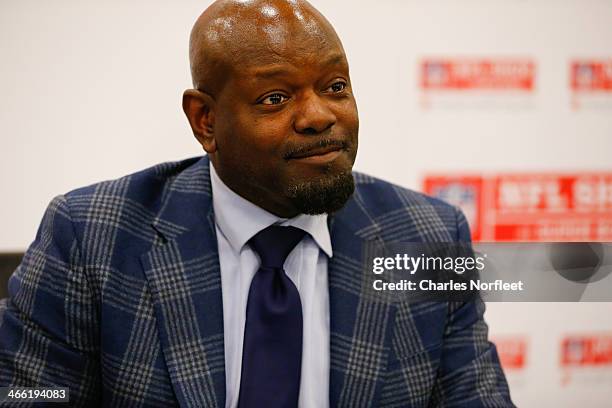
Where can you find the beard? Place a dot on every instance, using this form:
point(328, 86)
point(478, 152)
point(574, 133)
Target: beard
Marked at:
point(325, 195)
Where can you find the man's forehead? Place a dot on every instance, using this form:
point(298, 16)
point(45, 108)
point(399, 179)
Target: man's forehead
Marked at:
point(332, 59)
point(232, 34)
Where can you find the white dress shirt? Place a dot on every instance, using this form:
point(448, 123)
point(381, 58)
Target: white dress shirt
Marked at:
point(237, 220)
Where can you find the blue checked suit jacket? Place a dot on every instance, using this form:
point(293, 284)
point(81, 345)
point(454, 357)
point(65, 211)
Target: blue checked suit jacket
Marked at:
point(119, 299)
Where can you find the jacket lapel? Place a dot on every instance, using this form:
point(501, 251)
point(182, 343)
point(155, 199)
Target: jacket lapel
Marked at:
point(184, 276)
point(360, 321)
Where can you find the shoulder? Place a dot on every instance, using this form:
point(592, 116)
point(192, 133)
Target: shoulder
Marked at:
point(402, 213)
point(123, 214)
point(144, 188)
point(388, 196)
point(112, 220)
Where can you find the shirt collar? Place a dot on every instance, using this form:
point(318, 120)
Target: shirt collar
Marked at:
point(239, 219)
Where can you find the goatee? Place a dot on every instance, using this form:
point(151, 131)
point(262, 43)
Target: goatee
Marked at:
point(325, 195)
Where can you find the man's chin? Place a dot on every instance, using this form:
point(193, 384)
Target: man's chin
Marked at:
point(326, 194)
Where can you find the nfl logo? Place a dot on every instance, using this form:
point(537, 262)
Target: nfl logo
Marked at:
point(584, 75)
point(463, 196)
point(574, 351)
point(436, 73)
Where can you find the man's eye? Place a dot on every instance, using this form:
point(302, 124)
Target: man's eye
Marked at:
point(274, 99)
point(338, 87)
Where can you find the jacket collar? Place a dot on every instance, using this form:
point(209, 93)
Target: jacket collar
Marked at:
point(239, 219)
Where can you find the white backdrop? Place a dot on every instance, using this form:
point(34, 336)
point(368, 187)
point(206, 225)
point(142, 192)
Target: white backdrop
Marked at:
point(91, 90)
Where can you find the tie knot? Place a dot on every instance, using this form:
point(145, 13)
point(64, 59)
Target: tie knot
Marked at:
point(273, 244)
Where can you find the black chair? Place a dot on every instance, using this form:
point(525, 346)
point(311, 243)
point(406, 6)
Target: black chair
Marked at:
point(8, 264)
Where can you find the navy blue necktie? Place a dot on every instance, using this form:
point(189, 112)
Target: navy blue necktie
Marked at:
point(272, 349)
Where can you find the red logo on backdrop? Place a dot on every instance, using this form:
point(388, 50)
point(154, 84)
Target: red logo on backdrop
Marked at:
point(512, 352)
point(582, 351)
point(464, 192)
point(531, 207)
point(477, 74)
point(591, 75)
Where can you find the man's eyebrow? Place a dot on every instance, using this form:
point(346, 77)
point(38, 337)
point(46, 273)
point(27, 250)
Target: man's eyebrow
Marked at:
point(275, 70)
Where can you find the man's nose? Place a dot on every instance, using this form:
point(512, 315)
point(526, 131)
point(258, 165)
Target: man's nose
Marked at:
point(313, 115)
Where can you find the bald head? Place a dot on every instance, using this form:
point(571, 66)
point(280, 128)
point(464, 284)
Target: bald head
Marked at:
point(231, 33)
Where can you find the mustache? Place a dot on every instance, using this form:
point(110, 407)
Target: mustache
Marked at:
point(295, 149)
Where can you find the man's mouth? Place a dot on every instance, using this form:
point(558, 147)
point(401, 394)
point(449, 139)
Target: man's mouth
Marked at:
point(318, 154)
point(317, 151)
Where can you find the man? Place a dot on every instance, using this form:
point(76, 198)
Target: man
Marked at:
point(167, 286)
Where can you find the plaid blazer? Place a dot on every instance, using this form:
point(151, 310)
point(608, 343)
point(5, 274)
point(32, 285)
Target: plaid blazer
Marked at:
point(119, 299)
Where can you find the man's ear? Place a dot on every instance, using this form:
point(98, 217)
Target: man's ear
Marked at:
point(200, 110)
